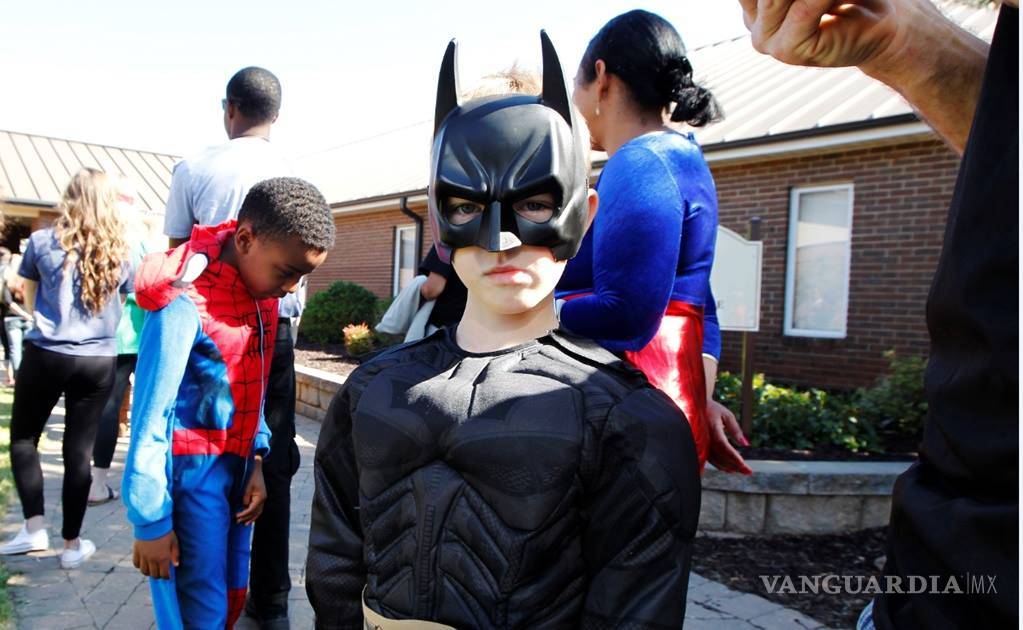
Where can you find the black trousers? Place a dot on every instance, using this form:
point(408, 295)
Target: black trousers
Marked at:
point(42, 378)
point(268, 573)
point(4, 339)
point(106, 436)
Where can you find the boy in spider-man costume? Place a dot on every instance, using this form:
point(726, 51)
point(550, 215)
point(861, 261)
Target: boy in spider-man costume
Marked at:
point(193, 483)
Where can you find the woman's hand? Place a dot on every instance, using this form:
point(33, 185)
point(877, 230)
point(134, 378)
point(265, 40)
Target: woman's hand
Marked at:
point(722, 454)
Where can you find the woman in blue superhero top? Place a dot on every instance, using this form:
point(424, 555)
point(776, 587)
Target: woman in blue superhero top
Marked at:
point(640, 284)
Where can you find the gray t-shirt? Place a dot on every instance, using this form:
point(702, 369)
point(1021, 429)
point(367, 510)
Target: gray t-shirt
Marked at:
point(209, 188)
point(62, 323)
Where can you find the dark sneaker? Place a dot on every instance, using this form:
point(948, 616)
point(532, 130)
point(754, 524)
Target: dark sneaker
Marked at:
point(273, 617)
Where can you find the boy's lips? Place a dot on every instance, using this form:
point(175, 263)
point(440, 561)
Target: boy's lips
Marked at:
point(504, 269)
point(507, 275)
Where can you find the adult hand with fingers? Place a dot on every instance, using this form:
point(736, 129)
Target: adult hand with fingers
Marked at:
point(906, 44)
point(723, 425)
point(823, 32)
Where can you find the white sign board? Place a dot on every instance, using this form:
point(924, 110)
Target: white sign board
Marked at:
point(735, 281)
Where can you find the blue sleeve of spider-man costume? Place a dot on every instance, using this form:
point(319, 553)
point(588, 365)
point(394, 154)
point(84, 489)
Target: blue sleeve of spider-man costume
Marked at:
point(261, 446)
point(165, 344)
point(635, 240)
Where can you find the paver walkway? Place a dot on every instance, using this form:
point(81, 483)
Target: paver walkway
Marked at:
point(108, 592)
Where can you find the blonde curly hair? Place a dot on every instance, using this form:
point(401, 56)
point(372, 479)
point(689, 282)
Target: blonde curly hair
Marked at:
point(90, 229)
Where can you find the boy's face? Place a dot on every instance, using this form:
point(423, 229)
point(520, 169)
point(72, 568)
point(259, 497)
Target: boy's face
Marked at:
point(272, 268)
point(509, 282)
point(516, 280)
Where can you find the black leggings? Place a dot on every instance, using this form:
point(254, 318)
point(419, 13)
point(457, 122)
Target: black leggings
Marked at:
point(4, 339)
point(106, 437)
point(85, 383)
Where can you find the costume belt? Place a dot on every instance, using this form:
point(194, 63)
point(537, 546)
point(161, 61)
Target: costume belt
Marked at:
point(373, 620)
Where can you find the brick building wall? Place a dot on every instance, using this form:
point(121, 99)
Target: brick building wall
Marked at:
point(901, 196)
point(364, 250)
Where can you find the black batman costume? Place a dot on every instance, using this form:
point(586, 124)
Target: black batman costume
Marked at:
point(542, 486)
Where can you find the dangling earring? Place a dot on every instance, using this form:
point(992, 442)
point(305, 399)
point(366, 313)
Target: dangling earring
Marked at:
point(597, 112)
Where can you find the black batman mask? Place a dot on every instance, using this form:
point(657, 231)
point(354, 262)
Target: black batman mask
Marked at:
point(496, 152)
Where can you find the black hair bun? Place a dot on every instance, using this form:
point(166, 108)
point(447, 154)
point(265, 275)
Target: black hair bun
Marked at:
point(675, 76)
point(696, 106)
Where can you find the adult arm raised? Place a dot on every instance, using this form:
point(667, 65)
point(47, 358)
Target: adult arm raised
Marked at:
point(906, 44)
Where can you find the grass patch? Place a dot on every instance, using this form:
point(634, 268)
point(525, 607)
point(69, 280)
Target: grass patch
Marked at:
point(6, 485)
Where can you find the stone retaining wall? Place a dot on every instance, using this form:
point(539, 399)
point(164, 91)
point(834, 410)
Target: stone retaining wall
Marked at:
point(779, 498)
point(799, 497)
point(314, 389)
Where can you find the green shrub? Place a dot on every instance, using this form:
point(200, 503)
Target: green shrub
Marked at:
point(384, 340)
point(358, 339)
point(329, 311)
point(788, 418)
point(382, 305)
point(895, 404)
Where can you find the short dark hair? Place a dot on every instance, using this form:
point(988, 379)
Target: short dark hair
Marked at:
point(256, 93)
point(646, 52)
point(282, 207)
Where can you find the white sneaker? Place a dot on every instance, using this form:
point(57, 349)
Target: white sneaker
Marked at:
point(25, 542)
point(73, 558)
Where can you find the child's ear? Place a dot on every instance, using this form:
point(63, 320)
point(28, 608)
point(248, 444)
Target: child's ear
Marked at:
point(593, 201)
point(244, 238)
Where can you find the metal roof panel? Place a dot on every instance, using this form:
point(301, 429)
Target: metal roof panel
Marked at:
point(37, 168)
point(19, 182)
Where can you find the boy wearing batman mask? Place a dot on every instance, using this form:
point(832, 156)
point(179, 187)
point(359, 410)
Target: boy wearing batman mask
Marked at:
point(503, 473)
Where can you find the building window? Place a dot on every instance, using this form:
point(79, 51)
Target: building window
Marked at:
point(404, 257)
point(817, 274)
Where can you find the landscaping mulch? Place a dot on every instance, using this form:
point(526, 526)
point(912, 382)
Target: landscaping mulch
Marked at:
point(324, 356)
point(738, 563)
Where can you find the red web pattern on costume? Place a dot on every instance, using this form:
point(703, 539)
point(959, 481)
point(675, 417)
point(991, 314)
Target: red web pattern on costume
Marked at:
point(229, 317)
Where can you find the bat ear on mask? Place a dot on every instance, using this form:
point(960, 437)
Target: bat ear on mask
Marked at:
point(447, 86)
point(555, 90)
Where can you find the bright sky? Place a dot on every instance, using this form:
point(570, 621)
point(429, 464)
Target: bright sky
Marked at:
point(151, 75)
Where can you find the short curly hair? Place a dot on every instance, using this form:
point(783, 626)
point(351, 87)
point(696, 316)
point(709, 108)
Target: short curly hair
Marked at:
point(283, 207)
point(256, 93)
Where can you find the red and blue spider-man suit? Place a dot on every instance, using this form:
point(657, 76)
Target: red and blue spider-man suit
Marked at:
point(197, 421)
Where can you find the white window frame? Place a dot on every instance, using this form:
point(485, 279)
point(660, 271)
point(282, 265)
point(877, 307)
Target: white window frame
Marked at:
point(396, 258)
point(790, 263)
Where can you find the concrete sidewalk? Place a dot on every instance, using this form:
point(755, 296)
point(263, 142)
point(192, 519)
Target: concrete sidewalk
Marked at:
point(108, 592)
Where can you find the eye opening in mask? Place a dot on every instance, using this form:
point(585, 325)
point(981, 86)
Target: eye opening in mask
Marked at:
point(460, 211)
point(537, 208)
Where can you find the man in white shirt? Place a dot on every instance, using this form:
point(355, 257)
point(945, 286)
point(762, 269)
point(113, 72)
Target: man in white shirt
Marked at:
point(208, 189)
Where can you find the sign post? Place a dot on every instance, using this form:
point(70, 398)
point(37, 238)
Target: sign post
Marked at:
point(747, 352)
point(735, 282)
